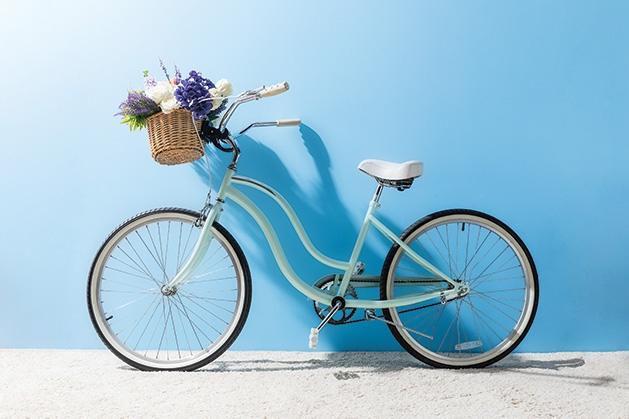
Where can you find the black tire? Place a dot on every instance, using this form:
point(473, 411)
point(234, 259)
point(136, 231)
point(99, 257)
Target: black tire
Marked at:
point(474, 330)
point(151, 330)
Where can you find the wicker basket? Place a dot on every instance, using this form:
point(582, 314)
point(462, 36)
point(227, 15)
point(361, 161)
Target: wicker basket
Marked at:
point(173, 137)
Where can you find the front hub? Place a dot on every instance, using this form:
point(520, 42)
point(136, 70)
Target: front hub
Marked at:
point(168, 290)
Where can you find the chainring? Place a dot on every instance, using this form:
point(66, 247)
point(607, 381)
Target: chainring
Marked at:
point(322, 310)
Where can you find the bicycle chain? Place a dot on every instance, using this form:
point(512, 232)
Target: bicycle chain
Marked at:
point(399, 312)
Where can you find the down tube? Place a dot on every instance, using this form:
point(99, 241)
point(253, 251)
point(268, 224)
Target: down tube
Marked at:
point(309, 291)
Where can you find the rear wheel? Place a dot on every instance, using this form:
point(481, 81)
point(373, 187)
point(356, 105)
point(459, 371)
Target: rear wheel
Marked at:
point(481, 327)
point(152, 329)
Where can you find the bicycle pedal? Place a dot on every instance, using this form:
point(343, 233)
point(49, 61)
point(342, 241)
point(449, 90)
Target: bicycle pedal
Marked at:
point(313, 339)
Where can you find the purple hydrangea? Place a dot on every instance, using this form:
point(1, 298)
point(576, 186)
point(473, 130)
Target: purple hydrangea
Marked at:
point(193, 93)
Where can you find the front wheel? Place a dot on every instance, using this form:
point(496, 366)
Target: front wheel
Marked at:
point(475, 329)
point(152, 329)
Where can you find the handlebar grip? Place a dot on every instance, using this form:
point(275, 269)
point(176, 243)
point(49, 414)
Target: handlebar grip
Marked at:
point(275, 89)
point(288, 122)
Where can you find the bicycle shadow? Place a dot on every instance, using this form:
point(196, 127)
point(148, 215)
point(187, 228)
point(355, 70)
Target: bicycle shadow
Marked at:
point(518, 364)
point(383, 362)
point(326, 219)
point(352, 365)
point(516, 361)
point(324, 216)
point(355, 365)
point(354, 361)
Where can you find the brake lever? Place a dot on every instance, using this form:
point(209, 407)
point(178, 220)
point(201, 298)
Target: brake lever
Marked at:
point(278, 123)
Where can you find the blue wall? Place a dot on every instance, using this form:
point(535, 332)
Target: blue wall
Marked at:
point(517, 109)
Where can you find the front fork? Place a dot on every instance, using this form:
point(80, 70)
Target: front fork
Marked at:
point(203, 242)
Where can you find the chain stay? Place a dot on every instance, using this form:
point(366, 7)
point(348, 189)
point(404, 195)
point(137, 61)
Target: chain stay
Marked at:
point(381, 317)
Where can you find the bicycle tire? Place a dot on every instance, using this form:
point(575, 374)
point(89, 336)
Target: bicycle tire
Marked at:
point(148, 329)
point(480, 328)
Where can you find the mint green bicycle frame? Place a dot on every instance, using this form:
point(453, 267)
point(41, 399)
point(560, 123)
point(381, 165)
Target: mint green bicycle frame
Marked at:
point(229, 191)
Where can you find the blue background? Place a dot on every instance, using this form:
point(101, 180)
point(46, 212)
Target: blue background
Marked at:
point(518, 109)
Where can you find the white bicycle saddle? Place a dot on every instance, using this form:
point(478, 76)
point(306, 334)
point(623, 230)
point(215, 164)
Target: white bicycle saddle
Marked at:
point(392, 171)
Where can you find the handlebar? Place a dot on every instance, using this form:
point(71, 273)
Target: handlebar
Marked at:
point(250, 95)
point(289, 122)
point(276, 89)
point(220, 136)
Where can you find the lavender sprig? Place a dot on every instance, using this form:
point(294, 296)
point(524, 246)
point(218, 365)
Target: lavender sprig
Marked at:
point(177, 75)
point(136, 109)
point(161, 64)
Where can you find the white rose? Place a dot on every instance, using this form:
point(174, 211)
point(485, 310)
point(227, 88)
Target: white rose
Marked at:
point(169, 105)
point(216, 98)
point(161, 92)
point(224, 87)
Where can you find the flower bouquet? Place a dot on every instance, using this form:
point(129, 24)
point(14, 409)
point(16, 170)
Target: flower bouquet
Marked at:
point(173, 112)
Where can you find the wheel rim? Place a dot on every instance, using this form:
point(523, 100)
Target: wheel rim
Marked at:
point(484, 325)
point(151, 329)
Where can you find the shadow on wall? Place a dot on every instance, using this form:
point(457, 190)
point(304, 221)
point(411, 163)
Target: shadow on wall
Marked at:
point(320, 209)
point(326, 219)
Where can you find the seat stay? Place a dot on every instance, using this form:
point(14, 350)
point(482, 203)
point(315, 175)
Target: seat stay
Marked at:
point(411, 253)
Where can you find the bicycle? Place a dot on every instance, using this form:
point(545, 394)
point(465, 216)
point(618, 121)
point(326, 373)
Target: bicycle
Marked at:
point(170, 288)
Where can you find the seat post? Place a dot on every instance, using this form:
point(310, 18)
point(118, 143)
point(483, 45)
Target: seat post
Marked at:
point(376, 196)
